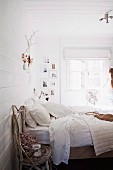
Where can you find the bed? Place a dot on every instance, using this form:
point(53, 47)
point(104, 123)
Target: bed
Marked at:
point(71, 143)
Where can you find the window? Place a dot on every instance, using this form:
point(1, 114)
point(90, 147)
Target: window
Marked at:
point(87, 74)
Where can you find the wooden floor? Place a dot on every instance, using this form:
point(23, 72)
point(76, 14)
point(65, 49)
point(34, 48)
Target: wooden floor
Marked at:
point(87, 164)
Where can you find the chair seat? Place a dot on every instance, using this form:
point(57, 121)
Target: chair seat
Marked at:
point(45, 156)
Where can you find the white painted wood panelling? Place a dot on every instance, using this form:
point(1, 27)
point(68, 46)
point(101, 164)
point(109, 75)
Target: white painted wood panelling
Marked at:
point(69, 17)
point(15, 83)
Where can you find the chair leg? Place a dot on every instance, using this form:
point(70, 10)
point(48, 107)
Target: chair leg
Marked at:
point(50, 163)
point(20, 166)
point(47, 165)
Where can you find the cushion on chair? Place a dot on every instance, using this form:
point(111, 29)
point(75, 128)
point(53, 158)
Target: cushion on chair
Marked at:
point(27, 140)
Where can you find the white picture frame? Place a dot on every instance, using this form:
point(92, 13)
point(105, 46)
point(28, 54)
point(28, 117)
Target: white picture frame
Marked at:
point(53, 74)
point(44, 69)
point(52, 92)
point(47, 60)
point(44, 83)
point(53, 83)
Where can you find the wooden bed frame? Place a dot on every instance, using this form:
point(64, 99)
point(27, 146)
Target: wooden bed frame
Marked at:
point(83, 152)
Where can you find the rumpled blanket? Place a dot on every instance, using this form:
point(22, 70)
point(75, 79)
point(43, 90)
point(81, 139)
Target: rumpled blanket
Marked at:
point(59, 130)
point(102, 134)
point(65, 132)
point(60, 135)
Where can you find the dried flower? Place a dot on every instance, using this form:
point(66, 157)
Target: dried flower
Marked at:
point(27, 59)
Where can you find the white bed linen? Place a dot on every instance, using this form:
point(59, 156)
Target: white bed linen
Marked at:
point(83, 137)
point(66, 132)
point(79, 129)
point(41, 133)
point(102, 134)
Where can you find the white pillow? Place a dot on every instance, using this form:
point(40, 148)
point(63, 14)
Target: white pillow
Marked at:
point(84, 109)
point(29, 103)
point(40, 115)
point(28, 119)
point(57, 110)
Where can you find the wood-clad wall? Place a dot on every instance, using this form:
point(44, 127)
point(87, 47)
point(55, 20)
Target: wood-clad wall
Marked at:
point(15, 84)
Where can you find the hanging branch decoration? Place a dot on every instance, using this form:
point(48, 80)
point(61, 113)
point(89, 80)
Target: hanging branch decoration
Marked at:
point(26, 55)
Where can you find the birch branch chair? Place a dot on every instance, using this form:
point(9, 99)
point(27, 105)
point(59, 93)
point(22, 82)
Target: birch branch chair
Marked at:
point(24, 160)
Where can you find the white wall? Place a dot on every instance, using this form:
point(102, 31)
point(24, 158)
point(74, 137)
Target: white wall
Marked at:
point(78, 97)
point(15, 85)
point(48, 47)
point(53, 48)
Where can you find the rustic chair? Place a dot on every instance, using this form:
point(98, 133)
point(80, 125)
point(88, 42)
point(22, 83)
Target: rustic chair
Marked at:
point(24, 160)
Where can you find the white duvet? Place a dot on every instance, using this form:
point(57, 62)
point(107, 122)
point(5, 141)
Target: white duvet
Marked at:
point(102, 134)
point(65, 132)
point(79, 130)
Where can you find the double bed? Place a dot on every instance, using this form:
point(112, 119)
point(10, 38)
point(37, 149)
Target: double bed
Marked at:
point(74, 135)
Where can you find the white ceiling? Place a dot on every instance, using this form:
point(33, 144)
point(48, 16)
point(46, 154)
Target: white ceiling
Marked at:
point(69, 17)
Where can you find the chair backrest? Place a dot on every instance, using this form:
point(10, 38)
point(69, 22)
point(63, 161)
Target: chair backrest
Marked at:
point(22, 110)
point(16, 128)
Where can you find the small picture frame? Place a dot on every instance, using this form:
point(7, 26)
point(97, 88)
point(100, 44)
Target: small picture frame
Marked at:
point(52, 83)
point(53, 74)
point(46, 60)
point(44, 69)
point(53, 66)
point(44, 83)
point(52, 92)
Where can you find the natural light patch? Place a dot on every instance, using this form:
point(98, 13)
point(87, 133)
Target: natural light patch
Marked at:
point(87, 74)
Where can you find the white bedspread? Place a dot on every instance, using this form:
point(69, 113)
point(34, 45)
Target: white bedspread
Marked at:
point(102, 134)
point(79, 130)
point(65, 132)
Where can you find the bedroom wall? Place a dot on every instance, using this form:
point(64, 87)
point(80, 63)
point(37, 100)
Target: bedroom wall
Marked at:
point(15, 84)
point(52, 47)
point(79, 97)
point(48, 48)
